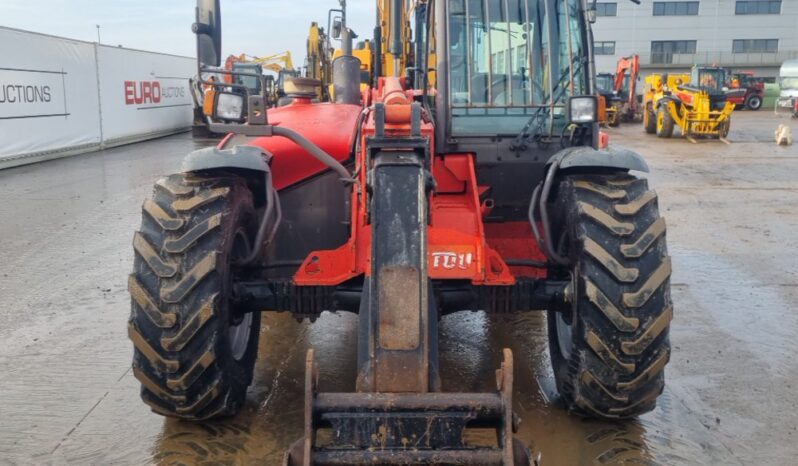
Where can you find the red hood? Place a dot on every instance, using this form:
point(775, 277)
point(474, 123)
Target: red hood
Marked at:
point(329, 126)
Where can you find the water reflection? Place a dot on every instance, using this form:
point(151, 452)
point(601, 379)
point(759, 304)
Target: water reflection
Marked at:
point(470, 352)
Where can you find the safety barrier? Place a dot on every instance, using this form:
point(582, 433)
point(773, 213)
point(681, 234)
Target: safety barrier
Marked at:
point(62, 97)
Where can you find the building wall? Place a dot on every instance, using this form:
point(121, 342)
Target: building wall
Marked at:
point(714, 29)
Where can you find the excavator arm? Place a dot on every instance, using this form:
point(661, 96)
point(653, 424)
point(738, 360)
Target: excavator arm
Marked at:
point(630, 65)
point(277, 62)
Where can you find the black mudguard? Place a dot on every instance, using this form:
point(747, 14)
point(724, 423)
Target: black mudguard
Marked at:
point(237, 157)
point(249, 162)
point(588, 157)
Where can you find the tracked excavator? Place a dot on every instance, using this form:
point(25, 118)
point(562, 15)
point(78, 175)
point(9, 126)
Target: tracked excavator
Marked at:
point(485, 191)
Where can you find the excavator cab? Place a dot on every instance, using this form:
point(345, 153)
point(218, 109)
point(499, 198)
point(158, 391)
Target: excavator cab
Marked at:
point(248, 75)
point(604, 83)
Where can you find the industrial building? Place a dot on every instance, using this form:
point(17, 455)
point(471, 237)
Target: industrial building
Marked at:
point(671, 36)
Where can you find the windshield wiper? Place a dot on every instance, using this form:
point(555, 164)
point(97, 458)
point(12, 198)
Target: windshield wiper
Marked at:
point(520, 141)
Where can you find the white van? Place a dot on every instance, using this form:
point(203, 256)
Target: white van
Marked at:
point(788, 81)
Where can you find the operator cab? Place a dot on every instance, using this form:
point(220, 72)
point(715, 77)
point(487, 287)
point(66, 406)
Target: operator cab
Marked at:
point(507, 72)
point(504, 58)
point(604, 83)
point(248, 75)
point(711, 80)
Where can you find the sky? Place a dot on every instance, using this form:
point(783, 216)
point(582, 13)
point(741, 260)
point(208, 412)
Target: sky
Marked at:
point(254, 27)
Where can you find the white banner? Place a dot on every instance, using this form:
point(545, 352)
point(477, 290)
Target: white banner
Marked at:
point(60, 96)
point(48, 94)
point(143, 93)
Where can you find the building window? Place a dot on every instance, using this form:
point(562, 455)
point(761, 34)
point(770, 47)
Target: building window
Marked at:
point(604, 48)
point(675, 8)
point(755, 46)
point(758, 7)
point(662, 51)
point(606, 9)
point(521, 59)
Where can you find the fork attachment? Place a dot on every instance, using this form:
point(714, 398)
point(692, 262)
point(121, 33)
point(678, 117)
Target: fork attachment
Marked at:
point(406, 428)
point(398, 416)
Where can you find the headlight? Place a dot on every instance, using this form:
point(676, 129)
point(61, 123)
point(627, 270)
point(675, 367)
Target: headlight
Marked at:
point(582, 109)
point(229, 106)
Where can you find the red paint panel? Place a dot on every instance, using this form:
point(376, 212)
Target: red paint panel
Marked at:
point(514, 240)
point(329, 126)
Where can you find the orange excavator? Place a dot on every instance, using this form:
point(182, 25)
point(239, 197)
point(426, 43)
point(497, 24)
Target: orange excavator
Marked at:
point(625, 108)
point(618, 91)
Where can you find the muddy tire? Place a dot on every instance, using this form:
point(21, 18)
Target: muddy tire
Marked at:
point(609, 344)
point(194, 355)
point(664, 122)
point(649, 119)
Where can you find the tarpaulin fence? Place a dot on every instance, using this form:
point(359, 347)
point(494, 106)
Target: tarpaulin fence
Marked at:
point(61, 97)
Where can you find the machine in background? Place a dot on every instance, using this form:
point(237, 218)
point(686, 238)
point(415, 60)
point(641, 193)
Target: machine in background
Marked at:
point(696, 103)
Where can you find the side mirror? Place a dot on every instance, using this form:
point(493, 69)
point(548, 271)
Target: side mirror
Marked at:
point(336, 28)
point(208, 28)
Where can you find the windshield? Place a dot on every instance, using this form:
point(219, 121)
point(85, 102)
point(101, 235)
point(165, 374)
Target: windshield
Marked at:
point(789, 83)
point(499, 65)
point(708, 78)
point(251, 82)
point(604, 83)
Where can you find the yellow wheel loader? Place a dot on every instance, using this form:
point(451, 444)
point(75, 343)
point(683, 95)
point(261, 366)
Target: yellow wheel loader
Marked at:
point(695, 103)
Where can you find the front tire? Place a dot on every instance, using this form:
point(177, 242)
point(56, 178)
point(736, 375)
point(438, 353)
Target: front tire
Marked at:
point(649, 119)
point(610, 344)
point(193, 354)
point(664, 122)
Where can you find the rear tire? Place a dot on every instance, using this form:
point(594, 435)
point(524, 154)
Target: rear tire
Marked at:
point(649, 119)
point(754, 102)
point(609, 347)
point(664, 122)
point(194, 355)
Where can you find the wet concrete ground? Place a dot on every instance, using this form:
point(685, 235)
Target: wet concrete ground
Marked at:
point(67, 395)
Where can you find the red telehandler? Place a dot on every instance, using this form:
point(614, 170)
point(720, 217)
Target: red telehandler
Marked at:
point(457, 181)
point(745, 90)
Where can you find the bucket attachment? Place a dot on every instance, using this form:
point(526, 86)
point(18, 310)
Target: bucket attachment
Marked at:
point(407, 428)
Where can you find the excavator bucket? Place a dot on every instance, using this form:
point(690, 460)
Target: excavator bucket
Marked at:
point(407, 428)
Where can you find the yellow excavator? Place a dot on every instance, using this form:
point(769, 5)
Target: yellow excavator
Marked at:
point(318, 60)
point(695, 102)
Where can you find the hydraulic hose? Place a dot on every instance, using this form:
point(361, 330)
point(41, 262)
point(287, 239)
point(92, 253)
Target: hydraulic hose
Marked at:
point(272, 205)
point(540, 199)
